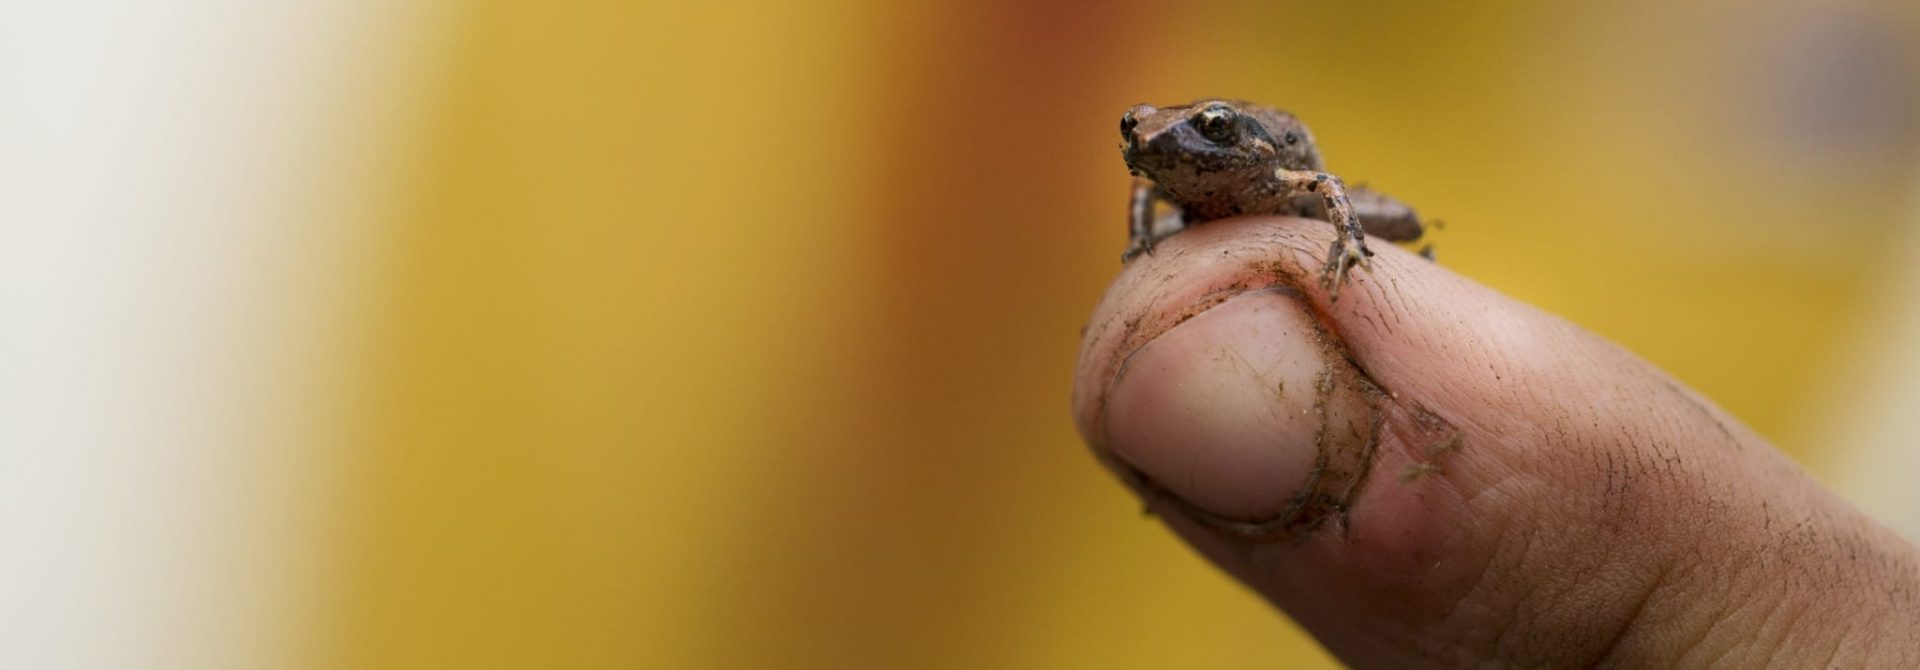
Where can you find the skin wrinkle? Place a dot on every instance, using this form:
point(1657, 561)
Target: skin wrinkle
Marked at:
point(1480, 582)
point(1797, 571)
point(1670, 578)
point(1736, 599)
point(1754, 597)
point(1611, 649)
point(1566, 599)
point(1773, 635)
point(1715, 661)
point(1833, 651)
point(1393, 312)
point(1509, 618)
point(1396, 309)
point(1606, 494)
point(1488, 597)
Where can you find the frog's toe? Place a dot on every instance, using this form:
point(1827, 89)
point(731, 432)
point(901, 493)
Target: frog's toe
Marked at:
point(1139, 245)
point(1344, 255)
point(1359, 254)
point(1341, 259)
point(1335, 267)
point(1332, 279)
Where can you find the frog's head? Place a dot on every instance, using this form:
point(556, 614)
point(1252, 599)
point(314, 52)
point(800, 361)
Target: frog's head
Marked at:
point(1213, 144)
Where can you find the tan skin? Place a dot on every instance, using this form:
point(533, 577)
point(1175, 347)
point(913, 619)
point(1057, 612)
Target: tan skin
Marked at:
point(1214, 159)
point(1433, 474)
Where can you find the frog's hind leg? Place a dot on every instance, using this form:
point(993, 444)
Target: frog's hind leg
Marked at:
point(1350, 246)
point(1385, 217)
point(1140, 219)
point(1380, 214)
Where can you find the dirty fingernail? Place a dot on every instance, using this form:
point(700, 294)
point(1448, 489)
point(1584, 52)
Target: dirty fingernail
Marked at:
point(1220, 410)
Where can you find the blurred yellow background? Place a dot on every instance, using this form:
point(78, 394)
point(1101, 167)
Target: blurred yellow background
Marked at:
point(740, 334)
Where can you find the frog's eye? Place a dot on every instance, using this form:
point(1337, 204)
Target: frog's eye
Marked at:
point(1292, 139)
point(1127, 122)
point(1216, 123)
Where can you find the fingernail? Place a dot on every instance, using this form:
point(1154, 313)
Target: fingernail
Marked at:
point(1220, 410)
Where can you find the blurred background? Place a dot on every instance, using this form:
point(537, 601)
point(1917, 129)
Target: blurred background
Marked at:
point(581, 334)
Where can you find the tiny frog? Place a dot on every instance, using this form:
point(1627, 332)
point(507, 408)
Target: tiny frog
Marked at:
point(1219, 158)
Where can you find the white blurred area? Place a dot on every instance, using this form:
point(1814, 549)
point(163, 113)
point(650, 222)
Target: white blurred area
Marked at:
point(1843, 80)
point(184, 189)
point(1872, 425)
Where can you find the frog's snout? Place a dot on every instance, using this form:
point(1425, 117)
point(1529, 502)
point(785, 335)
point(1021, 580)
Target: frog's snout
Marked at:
point(1149, 154)
point(1131, 120)
point(1130, 124)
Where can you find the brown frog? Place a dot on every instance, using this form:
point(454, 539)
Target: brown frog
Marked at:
point(1219, 158)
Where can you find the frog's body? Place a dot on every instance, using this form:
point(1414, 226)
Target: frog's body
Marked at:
point(1219, 158)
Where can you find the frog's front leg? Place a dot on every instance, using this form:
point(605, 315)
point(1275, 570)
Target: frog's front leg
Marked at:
point(1350, 245)
point(1140, 219)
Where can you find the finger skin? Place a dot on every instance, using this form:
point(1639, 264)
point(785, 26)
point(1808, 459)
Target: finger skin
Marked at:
point(1470, 480)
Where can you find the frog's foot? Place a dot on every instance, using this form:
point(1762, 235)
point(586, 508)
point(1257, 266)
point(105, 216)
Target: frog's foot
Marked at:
point(1142, 244)
point(1342, 257)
